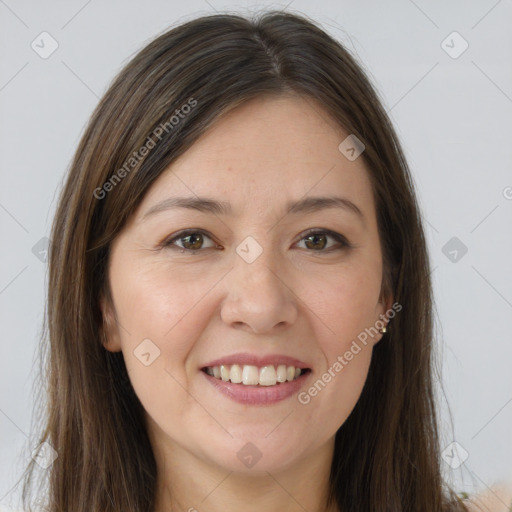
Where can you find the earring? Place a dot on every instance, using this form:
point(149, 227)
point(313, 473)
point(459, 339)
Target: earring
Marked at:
point(383, 330)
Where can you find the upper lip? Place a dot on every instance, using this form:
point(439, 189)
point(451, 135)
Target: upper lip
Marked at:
point(257, 360)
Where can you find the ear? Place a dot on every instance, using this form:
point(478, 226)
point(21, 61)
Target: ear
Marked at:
point(387, 304)
point(109, 331)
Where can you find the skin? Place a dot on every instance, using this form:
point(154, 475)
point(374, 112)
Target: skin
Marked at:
point(293, 299)
point(497, 498)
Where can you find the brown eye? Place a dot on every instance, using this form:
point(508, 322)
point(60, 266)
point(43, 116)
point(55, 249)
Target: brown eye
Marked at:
point(316, 241)
point(193, 242)
point(319, 241)
point(189, 240)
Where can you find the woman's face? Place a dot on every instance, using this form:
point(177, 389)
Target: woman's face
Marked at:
point(249, 287)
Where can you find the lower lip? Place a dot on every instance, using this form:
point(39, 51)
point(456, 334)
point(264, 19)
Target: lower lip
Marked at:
point(258, 395)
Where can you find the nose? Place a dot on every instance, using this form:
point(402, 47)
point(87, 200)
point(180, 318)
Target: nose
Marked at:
point(257, 298)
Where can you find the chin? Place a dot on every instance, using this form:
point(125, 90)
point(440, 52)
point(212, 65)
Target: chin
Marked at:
point(256, 452)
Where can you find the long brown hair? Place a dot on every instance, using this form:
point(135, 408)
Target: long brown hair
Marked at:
point(387, 454)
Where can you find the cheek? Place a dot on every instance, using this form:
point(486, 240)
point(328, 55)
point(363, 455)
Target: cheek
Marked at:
point(346, 302)
point(344, 387)
point(158, 304)
point(164, 324)
point(346, 305)
point(160, 314)
point(333, 392)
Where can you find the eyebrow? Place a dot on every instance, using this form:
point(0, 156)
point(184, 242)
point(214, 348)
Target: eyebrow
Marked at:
point(207, 205)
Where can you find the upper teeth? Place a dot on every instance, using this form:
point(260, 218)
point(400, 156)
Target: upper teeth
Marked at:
point(254, 375)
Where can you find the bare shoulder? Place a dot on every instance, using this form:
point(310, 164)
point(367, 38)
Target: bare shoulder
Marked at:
point(496, 499)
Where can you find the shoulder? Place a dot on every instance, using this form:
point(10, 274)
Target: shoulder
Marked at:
point(498, 498)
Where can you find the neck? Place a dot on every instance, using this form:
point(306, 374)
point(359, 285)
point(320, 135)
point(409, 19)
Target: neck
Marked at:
point(189, 484)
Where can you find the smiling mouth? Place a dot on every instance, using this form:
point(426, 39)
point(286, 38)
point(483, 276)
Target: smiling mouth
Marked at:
point(250, 375)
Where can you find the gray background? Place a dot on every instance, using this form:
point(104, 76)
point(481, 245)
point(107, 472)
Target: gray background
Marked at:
point(454, 117)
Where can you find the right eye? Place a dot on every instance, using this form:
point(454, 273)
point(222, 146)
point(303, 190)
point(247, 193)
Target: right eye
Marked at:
point(191, 240)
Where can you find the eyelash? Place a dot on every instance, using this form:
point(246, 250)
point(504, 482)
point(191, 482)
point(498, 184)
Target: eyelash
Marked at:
point(343, 243)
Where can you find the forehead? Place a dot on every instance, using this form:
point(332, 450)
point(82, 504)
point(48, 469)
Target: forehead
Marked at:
point(268, 150)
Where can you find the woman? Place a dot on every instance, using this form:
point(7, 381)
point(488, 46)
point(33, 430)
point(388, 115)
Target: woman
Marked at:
point(240, 308)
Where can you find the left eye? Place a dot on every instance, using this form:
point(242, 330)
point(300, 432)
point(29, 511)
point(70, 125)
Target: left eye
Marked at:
point(316, 240)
